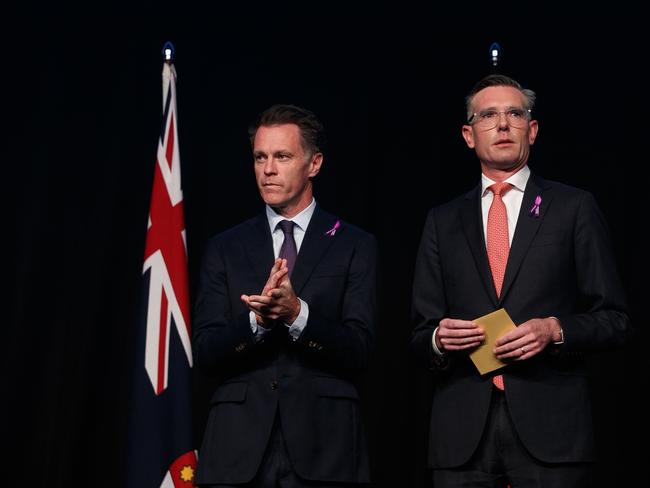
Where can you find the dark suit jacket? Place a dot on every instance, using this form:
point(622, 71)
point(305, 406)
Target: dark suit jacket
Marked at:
point(560, 264)
point(309, 382)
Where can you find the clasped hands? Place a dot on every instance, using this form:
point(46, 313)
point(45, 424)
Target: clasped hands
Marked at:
point(527, 340)
point(277, 300)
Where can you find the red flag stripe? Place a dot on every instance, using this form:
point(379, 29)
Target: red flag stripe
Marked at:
point(162, 345)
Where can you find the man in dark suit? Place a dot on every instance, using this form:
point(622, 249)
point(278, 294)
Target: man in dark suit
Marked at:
point(540, 250)
point(285, 315)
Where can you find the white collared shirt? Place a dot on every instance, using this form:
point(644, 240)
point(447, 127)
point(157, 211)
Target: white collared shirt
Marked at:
point(301, 222)
point(511, 199)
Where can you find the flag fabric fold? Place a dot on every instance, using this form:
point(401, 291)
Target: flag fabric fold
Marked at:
point(160, 449)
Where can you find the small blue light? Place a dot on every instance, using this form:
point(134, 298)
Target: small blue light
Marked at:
point(495, 53)
point(168, 51)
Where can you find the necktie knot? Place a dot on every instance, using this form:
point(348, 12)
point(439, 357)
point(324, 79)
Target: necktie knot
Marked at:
point(500, 188)
point(286, 226)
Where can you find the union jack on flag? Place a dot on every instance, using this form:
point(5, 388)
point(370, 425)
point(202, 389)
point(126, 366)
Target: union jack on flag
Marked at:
point(165, 256)
point(160, 451)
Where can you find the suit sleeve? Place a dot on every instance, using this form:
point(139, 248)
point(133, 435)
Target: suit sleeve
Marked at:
point(429, 305)
point(344, 342)
point(603, 322)
point(220, 335)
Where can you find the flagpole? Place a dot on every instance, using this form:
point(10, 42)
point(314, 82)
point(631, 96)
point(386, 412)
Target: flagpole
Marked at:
point(160, 451)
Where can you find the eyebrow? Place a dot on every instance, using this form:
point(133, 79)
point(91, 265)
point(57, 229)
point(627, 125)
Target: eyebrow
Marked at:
point(278, 152)
point(509, 107)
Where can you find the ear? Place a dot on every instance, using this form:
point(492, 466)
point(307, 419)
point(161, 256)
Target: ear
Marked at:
point(315, 164)
point(468, 135)
point(533, 127)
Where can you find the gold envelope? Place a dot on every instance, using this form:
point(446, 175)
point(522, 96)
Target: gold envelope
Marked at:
point(495, 325)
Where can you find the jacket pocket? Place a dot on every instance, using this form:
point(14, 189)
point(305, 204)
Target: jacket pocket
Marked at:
point(230, 392)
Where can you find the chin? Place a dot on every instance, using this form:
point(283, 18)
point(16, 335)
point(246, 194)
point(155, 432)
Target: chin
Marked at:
point(273, 202)
point(507, 164)
point(271, 197)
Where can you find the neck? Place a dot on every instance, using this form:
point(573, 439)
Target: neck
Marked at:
point(292, 209)
point(500, 174)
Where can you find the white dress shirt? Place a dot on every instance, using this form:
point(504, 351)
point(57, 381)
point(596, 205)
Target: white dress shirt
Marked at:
point(511, 199)
point(301, 222)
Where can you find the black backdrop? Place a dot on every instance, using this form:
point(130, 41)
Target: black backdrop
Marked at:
point(83, 107)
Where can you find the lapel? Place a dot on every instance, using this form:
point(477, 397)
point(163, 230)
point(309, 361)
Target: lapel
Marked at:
point(527, 227)
point(472, 222)
point(314, 245)
point(259, 246)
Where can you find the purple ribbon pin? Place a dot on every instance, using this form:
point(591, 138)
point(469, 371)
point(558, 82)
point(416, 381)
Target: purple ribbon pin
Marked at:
point(534, 212)
point(333, 230)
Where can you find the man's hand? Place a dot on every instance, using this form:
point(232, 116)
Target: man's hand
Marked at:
point(278, 271)
point(277, 300)
point(529, 339)
point(458, 335)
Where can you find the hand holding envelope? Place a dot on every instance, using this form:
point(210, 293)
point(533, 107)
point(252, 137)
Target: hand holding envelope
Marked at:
point(495, 325)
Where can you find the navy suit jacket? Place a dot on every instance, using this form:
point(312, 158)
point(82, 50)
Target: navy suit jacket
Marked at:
point(309, 383)
point(560, 264)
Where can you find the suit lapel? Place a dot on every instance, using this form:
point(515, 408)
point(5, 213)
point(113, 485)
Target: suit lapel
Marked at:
point(259, 247)
point(527, 227)
point(314, 245)
point(473, 227)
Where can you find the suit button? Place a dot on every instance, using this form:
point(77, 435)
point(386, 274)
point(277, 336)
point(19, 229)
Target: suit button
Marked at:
point(274, 385)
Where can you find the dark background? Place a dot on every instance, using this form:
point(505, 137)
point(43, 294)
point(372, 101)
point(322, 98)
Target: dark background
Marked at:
point(82, 106)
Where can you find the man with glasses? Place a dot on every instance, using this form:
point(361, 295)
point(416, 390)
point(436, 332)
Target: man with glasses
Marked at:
point(540, 250)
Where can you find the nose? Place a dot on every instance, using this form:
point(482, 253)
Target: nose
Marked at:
point(503, 120)
point(270, 167)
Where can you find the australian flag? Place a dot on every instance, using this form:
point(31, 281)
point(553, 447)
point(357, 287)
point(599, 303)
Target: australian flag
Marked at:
point(161, 451)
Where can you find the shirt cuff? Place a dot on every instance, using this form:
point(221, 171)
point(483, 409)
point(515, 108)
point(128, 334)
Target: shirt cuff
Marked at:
point(258, 330)
point(435, 346)
point(300, 323)
point(561, 341)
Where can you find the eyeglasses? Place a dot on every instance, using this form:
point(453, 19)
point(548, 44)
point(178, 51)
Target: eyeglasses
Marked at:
point(489, 119)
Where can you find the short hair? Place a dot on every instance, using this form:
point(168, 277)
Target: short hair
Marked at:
point(499, 80)
point(312, 132)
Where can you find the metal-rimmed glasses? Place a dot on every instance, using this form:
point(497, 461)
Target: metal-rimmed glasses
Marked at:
point(489, 118)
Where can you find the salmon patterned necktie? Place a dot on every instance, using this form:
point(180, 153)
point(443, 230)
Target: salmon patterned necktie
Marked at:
point(498, 244)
